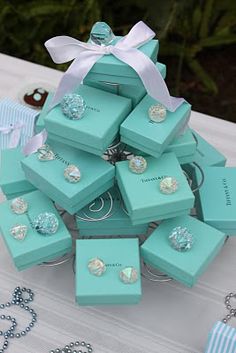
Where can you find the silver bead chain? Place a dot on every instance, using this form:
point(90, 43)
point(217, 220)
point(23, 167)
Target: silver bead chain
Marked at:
point(228, 305)
point(74, 347)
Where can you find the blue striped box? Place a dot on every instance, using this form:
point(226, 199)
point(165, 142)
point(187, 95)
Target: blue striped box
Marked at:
point(11, 113)
point(221, 339)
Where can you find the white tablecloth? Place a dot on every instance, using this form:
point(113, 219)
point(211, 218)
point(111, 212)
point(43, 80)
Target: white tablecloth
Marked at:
point(171, 318)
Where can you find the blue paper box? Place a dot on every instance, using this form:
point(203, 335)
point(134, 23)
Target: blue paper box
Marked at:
point(99, 126)
point(111, 69)
point(12, 178)
point(183, 146)
point(221, 339)
point(216, 199)
point(97, 176)
point(142, 196)
point(206, 154)
point(93, 223)
point(108, 288)
point(152, 138)
point(35, 248)
point(185, 267)
point(134, 92)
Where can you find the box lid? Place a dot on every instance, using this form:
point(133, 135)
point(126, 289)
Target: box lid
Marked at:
point(40, 121)
point(187, 266)
point(35, 247)
point(103, 116)
point(206, 154)
point(111, 65)
point(141, 192)
point(51, 173)
point(156, 136)
point(108, 288)
point(216, 199)
point(12, 178)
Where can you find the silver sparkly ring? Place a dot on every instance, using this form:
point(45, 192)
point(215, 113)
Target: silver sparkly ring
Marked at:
point(181, 239)
point(157, 113)
point(73, 106)
point(137, 164)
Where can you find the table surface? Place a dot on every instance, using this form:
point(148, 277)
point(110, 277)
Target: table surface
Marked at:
point(170, 318)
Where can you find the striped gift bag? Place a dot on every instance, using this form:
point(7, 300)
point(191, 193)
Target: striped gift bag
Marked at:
point(221, 339)
point(16, 123)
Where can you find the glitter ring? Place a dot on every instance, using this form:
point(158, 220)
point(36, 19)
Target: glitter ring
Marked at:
point(96, 267)
point(181, 239)
point(73, 106)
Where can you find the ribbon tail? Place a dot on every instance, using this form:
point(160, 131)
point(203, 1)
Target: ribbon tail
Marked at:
point(75, 74)
point(150, 76)
point(15, 138)
point(35, 143)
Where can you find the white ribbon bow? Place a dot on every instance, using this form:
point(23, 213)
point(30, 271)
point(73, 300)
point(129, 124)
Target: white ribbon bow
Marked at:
point(63, 49)
point(15, 130)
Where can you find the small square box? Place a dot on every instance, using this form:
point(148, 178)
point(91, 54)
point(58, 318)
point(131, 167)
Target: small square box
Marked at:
point(111, 69)
point(216, 199)
point(221, 339)
point(184, 147)
point(108, 288)
point(35, 248)
point(206, 154)
point(117, 222)
point(152, 138)
point(99, 126)
point(185, 267)
point(97, 176)
point(141, 192)
point(134, 92)
point(12, 178)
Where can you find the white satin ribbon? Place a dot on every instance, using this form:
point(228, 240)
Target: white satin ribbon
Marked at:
point(35, 143)
point(15, 130)
point(84, 55)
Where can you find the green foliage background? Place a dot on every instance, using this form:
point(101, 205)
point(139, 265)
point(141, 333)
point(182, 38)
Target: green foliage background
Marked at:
point(188, 30)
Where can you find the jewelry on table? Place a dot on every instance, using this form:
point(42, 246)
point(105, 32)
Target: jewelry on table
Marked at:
point(181, 239)
point(73, 347)
point(96, 267)
point(128, 275)
point(168, 185)
point(137, 164)
point(71, 173)
point(45, 223)
point(228, 305)
point(19, 300)
point(157, 113)
point(73, 106)
point(101, 34)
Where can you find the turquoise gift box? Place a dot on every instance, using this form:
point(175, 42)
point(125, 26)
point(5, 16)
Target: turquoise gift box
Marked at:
point(152, 138)
point(185, 267)
point(92, 223)
point(99, 126)
point(135, 93)
point(183, 146)
point(206, 154)
point(108, 288)
point(216, 199)
point(97, 176)
point(221, 339)
point(35, 248)
point(12, 178)
point(111, 69)
point(142, 196)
